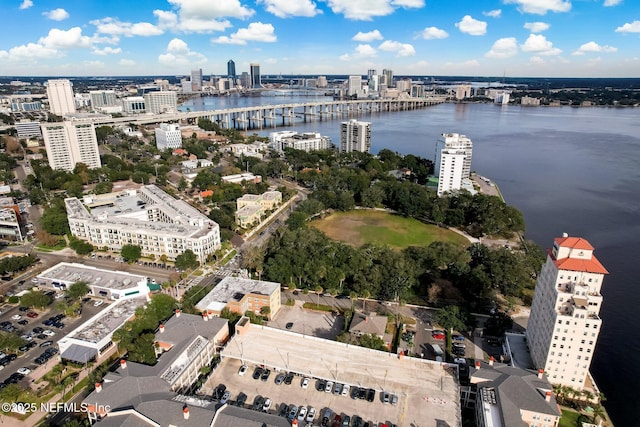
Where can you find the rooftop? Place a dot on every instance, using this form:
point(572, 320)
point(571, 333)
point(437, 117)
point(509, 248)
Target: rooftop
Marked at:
point(234, 289)
point(110, 319)
point(69, 273)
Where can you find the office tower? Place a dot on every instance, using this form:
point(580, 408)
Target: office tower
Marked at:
point(60, 97)
point(371, 73)
point(133, 105)
point(374, 83)
point(354, 85)
point(70, 143)
point(245, 80)
point(231, 70)
point(256, 81)
point(389, 77)
point(196, 80)
point(453, 161)
point(168, 136)
point(103, 98)
point(355, 136)
point(564, 323)
point(161, 102)
point(186, 86)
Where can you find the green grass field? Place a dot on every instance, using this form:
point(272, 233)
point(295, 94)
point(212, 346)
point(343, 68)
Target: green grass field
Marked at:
point(362, 226)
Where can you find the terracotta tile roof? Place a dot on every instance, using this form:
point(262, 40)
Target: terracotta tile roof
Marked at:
point(574, 242)
point(577, 264)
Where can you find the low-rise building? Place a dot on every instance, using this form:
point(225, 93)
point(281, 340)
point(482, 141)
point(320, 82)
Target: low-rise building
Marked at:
point(368, 324)
point(251, 207)
point(247, 177)
point(240, 295)
point(307, 141)
point(10, 227)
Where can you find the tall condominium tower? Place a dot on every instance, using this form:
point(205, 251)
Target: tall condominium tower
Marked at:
point(69, 143)
point(60, 97)
point(354, 85)
point(355, 136)
point(168, 135)
point(103, 98)
point(256, 81)
point(165, 101)
point(453, 161)
point(196, 80)
point(389, 77)
point(564, 323)
point(231, 70)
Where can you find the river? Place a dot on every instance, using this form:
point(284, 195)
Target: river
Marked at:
point(573, 170)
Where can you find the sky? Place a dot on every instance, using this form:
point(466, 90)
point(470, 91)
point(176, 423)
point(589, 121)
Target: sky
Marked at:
point(512, 38)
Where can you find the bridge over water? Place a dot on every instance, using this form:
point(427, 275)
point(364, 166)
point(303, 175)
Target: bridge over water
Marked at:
point(272, 116)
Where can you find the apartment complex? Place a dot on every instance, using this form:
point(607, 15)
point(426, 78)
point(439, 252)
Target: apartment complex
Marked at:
point(69, 143)
point(168, 136)
point(564, 323)
point(148, 217)
point(103, 98)
point(251, 207)
point(307, 141)
point(355, 136)
point(60, 95)
point(453, 161)
point(158, 102)
point(10, 227)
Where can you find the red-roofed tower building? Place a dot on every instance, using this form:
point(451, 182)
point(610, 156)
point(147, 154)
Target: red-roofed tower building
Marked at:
point(564, 323)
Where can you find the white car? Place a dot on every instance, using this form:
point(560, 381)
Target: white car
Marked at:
point(98, 303)
point(243, 370)
point(267, 405)
point(311, 414)
point(328, 388)
point(302, 413)
point(24, 371)
point(16, 317)
point(48, 332)
point(305, 382)
point(345, 389)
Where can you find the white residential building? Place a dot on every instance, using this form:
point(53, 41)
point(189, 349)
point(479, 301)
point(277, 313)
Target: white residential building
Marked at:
point(60, 95)
point(149, 218)
point(450, 163)
point(355, 136)
point(168, 136)
point(68, 143)
point(165, 101)
point(307, 141)
point(457, 142)
point(103, 98)
point(564, 323)
point(354, 85)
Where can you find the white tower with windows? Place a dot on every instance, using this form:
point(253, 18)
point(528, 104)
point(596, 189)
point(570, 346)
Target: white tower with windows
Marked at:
point(564, 323)
point(60, 95)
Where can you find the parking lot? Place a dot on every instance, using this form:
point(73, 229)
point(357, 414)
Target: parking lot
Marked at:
point(308, 322)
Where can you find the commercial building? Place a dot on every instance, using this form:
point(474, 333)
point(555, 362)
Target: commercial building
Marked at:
point(355, 136)
point(133, 105)
point(168, 136)
point(27, 129)
point(69, 143)
point(240, 295)
point(196, 80)
point(10, 227)
point(453, 161)
point(231, 70)
point(251, 207)
point(564, 324)
point(256, 80)
point(240, 177)
point(147, 217)
point(307, 141)
point(60, 95)
point(165, 101)
point(388, 77)
point(103, 98)
point(354, 86)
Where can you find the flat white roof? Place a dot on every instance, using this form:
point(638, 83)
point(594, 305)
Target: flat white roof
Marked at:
point(234, 289)
point(69, 273)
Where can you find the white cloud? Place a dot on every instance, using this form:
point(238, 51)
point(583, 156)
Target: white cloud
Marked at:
point(633, 27)
point(69, 39)
point(26, 4)
point(32, 51)
point(493, 13)
point(541, 7)
point(107, 50)
point(472, 26)
point(287, 8)
point(594, 47)
point(114, 27)
point(537, 60)
point(179, 54)
point(127, 62)
point(57, 14)
point(166, 19)
point(539, 45)
point(366, 10)
point(367, 37)
point(94, 64)
point(205, 16)
point(401, 49)
point(503, 48)
point(431, 33)
point(362, 51)
point(537, 27)
point(256, 32)
point(608, 3)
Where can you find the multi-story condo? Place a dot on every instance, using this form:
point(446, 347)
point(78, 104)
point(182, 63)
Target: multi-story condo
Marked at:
point(165, 101)
point(133, 105)
point(564, 323)
point(168, 136)
point(458, 142)
point(10, 223)
point(388, 77)
point(69, 143)
point(148, 218)
point(60, 94)
point(354, 85)
point(307, 141)
point(321, 81)
point(103, 98)
point(355, 136)
point(450, 163)
point(256, 80)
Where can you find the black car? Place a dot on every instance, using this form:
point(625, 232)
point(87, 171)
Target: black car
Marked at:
point(320, 385)
point(38, 330)
point(219, 391)
point(28, 346)
point(288, 379)
point(284, 409)
point(23, 322)
point(357, 421)
point(22, 308)
point(48, 322)
point(257, 373)
point(362, 393)
point(258, 402)
point(371, 395)
point(241, 399)
point(265, 374)
point(279, 379)
point(289, 325)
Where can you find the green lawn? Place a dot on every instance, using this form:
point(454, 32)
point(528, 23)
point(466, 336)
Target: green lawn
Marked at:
point(569, 419)
point(362, 226)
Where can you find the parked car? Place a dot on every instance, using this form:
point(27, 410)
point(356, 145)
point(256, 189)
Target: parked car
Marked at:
point(257, 373)
point(337, 389)
point(24, 371)
point(98, 303)
point(371, 395)
point(16, 317)
point(328, 387)
point(225, 397)
point(394, 399)
point(258, 402)
point(266, 405)
point(293, 411)
point(305, 382)
point(289, 325)
point(32, 314)
point(345, 389)
point(386, 397)
point(48, 332)
point(243, 370)
point(302, 413)
point(241, 399)
point(437, 335)
point(311, 414)
point(458, 338)
point(265, 374)
point(219, 391)
point(23, 322)
point(279, 378)
point(46, 344)
point(288, 379)
point(284, 410)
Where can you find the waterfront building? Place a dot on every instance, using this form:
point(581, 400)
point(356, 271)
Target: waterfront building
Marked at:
point(168, 135)
point(196, 80)
point(69, 143)
point(60, 95)
point(528, 100)
point(354, 86)
point(321, 81)
point(133, 105)
point(462, 91)
point(147, 217)
point(388, 77)
point(456, 141)
point(245, 80)
point(256, 80)
point(165, 101)
point(231, 70)
point(374, 83)
point(307, 141)
point(450, 163)
point(564, 323)
point(355, 136)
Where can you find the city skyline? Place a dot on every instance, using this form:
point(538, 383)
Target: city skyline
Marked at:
point(516, 38)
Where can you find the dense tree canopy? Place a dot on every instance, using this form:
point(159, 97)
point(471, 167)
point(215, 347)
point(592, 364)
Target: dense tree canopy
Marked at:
point(131, 253)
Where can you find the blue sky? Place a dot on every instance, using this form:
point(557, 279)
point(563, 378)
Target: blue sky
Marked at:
point(537, 38)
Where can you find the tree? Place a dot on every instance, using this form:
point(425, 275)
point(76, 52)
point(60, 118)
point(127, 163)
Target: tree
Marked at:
point(451, 318)
point(265, 310)
point(10, 343)
point(131, 253)
point(80, 246)
point(77, 290)
point(318, 290)
point(187, 260)
point(35, 299)
point(372, 341)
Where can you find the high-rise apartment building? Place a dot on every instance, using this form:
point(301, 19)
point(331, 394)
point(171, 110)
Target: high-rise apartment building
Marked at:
point(564, 323)
point(168, 136)
point(321, 81)
point(70, 143)
point(354, 85)
point(60, 95)
point(196, 80)
point(103, 98)
point(389, 77)
point(453, 161)
point(355, 136)
point(231, 70)
point(165, 101)
point(457, 141)
point(256, 80)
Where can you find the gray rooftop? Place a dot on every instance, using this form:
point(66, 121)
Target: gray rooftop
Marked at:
point(368, 324)
point(234, 289)
point(108, 320)
point(233, 416)
point(70, 273)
